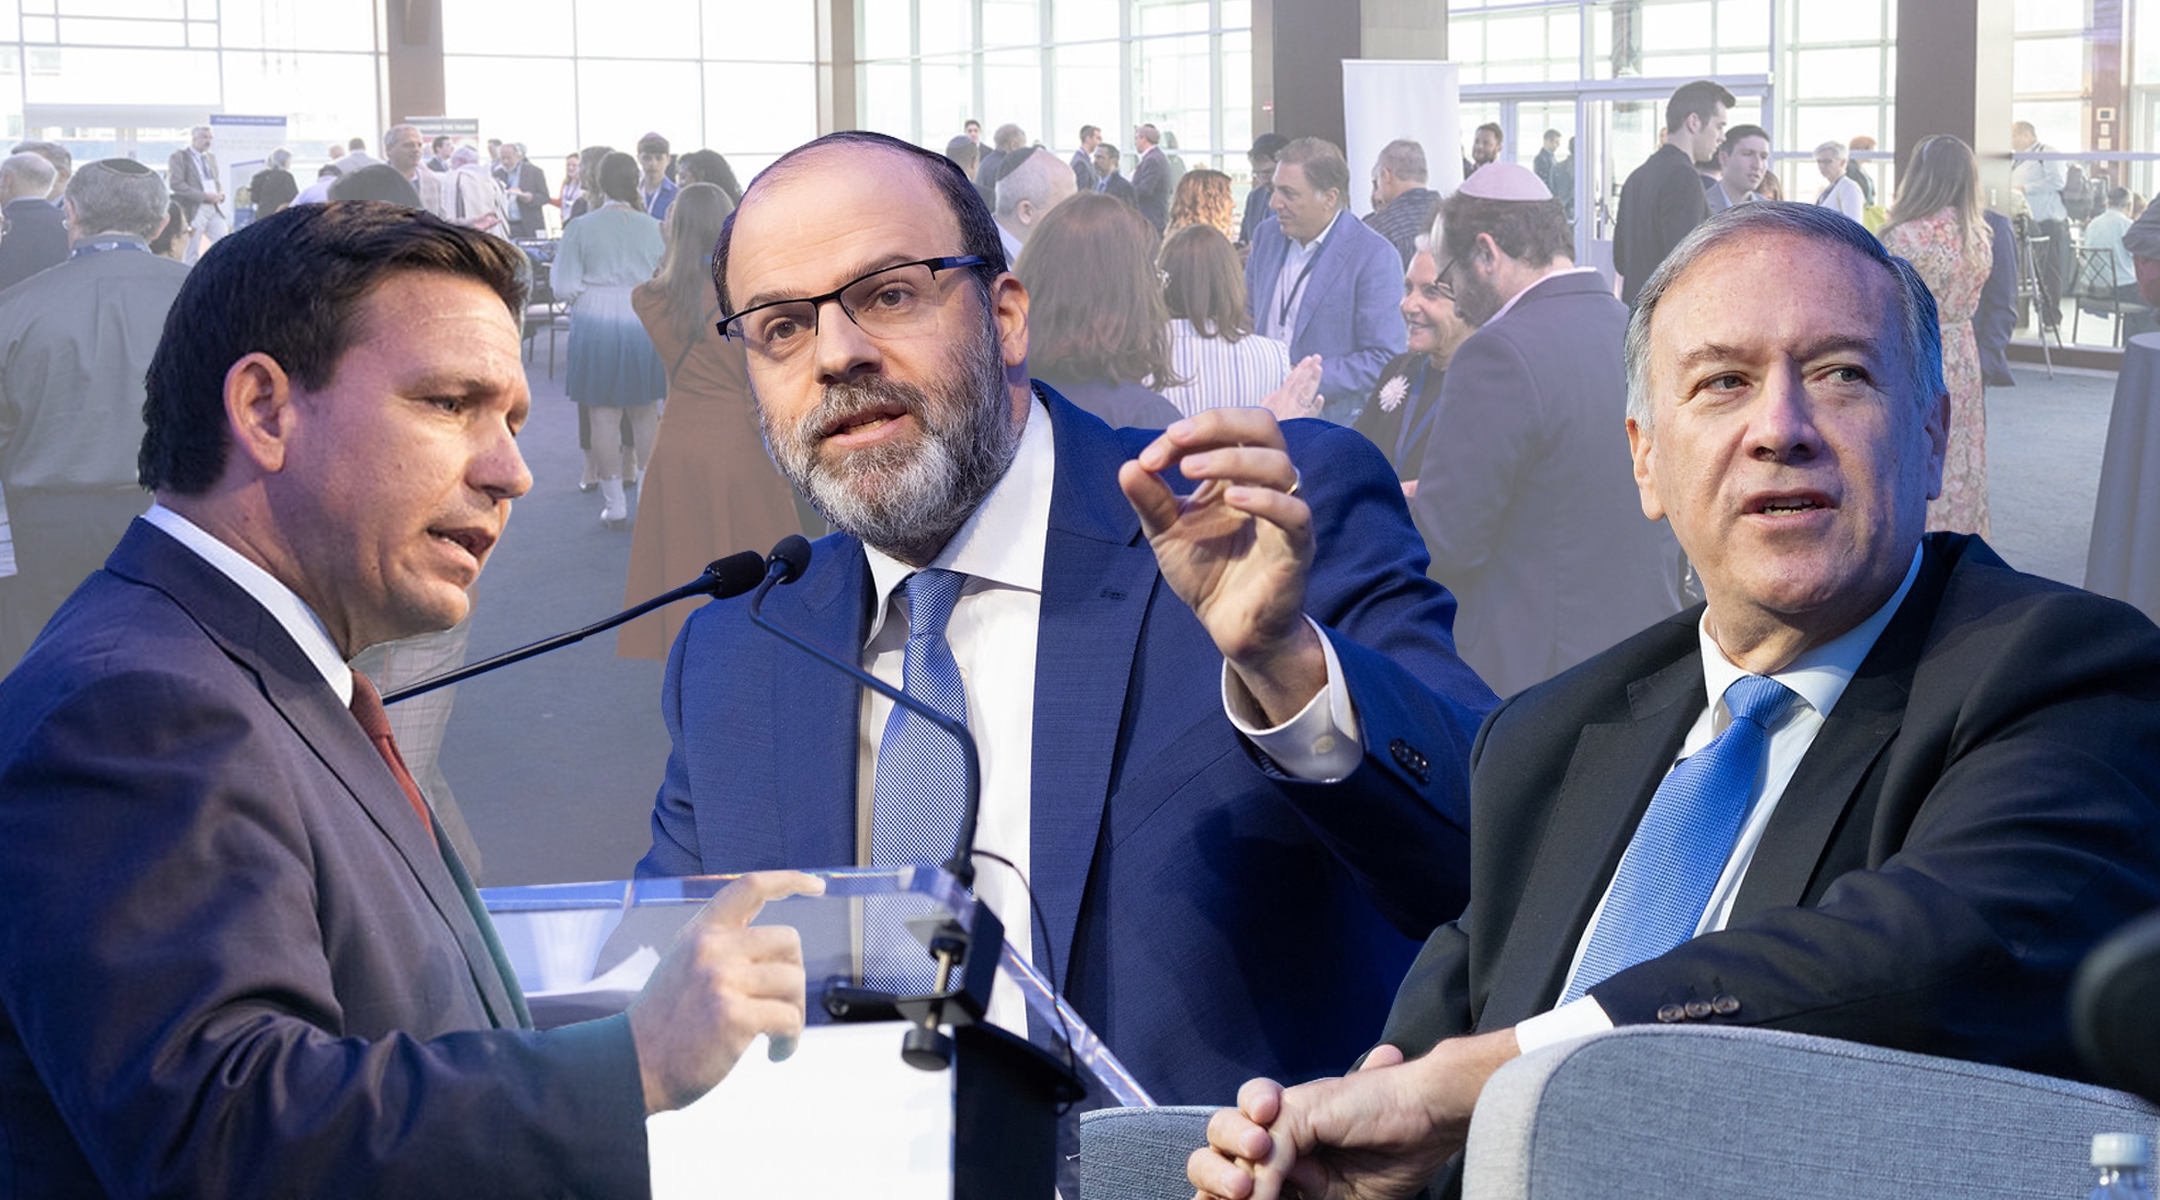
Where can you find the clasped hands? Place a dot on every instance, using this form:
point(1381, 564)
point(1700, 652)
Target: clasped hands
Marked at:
point(1238, 549)
point(1381, 1132)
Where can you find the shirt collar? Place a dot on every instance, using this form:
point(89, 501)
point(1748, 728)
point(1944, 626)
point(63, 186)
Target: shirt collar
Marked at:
point(1003, 541)
point(1308, 249)
point(290, 610)
point(1556, 271)
point(1819, 675)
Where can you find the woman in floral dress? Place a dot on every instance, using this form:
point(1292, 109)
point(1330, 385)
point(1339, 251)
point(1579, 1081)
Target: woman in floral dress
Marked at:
point(1937, 227)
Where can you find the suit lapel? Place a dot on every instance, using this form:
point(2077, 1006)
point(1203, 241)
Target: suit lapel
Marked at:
point(1865, 720)
point(817, 711)
point(1098, 579)
point(289, 681)
point(1331, 261)
point(1614, 771)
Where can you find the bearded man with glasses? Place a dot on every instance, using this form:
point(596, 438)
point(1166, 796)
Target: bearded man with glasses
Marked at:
point(1223, 727)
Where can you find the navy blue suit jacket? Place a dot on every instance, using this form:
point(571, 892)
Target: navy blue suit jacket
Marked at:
point(1210, 917)
point(1351, 312)
point(232, 962)
point(1998, 304)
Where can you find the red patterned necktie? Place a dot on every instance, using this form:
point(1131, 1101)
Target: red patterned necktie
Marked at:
point(367, 708)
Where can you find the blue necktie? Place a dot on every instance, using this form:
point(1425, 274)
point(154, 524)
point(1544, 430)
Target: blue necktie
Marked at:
point(1673, 863)
point(921, 777)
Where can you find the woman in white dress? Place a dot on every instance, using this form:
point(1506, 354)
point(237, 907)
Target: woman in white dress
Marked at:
point(1840, 192)
point(1212, 346)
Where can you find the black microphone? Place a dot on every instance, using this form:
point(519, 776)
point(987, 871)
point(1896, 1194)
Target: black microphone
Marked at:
point(785, 565)
point(924, 1046)
point(2112, 1002)
point(730, 576)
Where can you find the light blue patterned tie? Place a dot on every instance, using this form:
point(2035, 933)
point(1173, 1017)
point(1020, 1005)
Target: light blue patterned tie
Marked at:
point(1678, 852)
point(921, 777)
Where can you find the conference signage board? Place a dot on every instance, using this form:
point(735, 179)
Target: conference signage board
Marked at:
point(242, 146)
point(1385, 99)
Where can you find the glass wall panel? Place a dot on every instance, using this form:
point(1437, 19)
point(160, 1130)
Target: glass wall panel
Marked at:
point(765, 32)
point(529, 100)
point(758, 109)
point(101, 75)
point(347, 25)
point(1012, 86)
point(945, 26)
point(660, 27)
point(1086, 93)
point(888, 99)
point(888, 29)
point(172, 9)
point(80, 31)
point(1011, 23)
point(619, 101)
point(539, 27)
point(948, 101)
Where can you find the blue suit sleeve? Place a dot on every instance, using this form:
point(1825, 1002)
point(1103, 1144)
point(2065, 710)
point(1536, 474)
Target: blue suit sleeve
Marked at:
point(1399, 822)
point(674, 818)
point(1997, 316)
point(1376, 322)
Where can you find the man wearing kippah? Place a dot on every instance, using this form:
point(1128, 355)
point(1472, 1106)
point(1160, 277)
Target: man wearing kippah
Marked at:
point(1526, 498)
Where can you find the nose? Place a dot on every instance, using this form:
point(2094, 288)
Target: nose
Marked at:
point(843, 350)
point(1783, 426)
point(498, 467)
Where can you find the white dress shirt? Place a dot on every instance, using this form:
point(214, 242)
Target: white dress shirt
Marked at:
point(2042, 181)
point(1283, 307)
point(291, 611)
point(992, 633)
point(1818, 677)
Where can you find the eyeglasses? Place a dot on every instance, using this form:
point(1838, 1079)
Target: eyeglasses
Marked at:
point(890, 302)
point(1441, 280)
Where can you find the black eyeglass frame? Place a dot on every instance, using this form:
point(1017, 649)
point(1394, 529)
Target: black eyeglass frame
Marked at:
point(817, 304)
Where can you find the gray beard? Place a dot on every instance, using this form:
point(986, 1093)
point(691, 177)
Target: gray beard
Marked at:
point(908, 500)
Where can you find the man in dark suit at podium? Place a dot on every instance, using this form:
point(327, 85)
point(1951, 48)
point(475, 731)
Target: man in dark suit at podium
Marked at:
point(1881, 787)
point(1222, 730)
point(238, 956)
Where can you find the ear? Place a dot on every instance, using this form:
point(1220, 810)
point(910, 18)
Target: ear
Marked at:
point(1009, 309)
point(1937, 432)
point(260, 411)
point(1485, 250)
point(1642, 449)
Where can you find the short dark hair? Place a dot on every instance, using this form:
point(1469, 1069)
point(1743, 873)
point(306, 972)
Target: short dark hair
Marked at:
point(1530, 231)
point(652, 143)
point(2118, 197)
point(1322, 162)
point(978, 229)
point(378, 182)
point(441, 140)
point(1267, 145)
point(619, 177)
point(709, 166)
point(1493, 128)
point(290, 286)
point(1698, 99)
point(1088, 131)
point(1736, 134)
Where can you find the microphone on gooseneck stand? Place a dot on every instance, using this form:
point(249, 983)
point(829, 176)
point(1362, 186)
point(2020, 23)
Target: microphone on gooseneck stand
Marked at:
point(730, 576)
point(924, 1046)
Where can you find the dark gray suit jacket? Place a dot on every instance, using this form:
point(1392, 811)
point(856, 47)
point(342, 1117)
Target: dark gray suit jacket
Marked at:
point(1151, 187)
point(232, 962)
point(1527, 496)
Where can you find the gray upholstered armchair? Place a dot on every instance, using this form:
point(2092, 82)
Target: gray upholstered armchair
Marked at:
point(1658, 1111)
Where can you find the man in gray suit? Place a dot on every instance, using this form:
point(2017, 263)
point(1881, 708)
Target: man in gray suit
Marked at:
point(192, 173)
point(1526, 497)
point(74, 342)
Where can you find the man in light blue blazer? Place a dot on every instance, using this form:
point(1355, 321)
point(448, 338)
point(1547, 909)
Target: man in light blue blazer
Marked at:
point(1223, 729)
point(1323, 281)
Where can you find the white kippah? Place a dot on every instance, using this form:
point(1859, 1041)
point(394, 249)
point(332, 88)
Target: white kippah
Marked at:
point(1505, 181)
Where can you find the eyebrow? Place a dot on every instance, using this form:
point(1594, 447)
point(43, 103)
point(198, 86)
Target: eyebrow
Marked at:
point(1710, 353)
point(869, 266)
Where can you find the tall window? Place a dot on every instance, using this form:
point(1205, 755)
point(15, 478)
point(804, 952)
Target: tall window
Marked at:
point(1052, 66)
point(128, 77)
point(561, 74)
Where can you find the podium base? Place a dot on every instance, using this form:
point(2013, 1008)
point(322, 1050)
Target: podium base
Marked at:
point(1005, 1116)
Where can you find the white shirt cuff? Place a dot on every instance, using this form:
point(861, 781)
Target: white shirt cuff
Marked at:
point(1578, 1018)
point(1320, 744)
